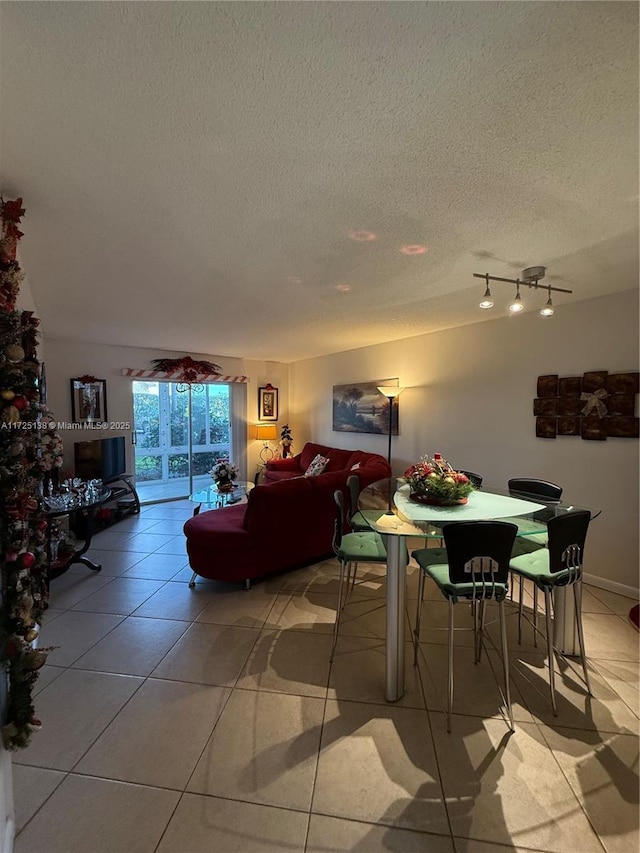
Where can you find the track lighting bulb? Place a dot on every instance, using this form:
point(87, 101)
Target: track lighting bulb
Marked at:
point(516, 306)
point(487, 301)
point(547, 311)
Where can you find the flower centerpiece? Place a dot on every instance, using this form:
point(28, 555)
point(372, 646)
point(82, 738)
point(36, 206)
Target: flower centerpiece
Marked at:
point(224, 474)
point(433, 481)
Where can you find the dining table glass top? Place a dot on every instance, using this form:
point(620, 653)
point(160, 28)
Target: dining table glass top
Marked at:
point(402, 516)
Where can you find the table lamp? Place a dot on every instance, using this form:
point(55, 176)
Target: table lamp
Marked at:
point(266, 433)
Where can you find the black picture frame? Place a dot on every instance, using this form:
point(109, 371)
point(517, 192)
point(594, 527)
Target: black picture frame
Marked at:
point(88, 400)
point(267, 403)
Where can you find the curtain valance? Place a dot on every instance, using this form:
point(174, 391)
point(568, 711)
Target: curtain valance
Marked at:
point(178, 376)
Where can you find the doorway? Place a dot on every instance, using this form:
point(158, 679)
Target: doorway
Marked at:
point(179, 432)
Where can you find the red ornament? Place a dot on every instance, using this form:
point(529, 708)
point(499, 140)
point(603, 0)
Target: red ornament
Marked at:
point(27, 559)
point(20, 403)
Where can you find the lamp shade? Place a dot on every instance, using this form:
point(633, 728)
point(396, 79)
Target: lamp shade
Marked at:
point(266, 432)
point(390, 391)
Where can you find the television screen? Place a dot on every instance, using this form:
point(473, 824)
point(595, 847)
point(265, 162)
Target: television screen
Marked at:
point(101, 459)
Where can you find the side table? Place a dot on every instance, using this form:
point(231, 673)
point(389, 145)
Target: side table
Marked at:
point(211, 498)
point(59, 567)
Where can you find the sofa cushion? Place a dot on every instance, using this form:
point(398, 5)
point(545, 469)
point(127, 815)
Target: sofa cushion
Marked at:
point(308, 452)
point(316, 466)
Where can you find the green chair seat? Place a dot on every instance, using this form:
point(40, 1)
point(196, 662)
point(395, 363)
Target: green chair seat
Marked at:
point(529, 544)
point(535, 567)
point(433, 562)
point(362, 547)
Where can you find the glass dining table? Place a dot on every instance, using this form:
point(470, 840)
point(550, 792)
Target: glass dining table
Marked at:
point(389, 510)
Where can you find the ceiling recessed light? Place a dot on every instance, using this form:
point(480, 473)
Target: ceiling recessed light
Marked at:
point(343, 288)
point(414, 250)
point(359, 235)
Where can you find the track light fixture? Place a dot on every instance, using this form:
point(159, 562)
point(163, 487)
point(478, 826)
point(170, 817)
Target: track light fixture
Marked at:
point(487, 300)
point(530, 278)
point(516, 306)
point(547, 311)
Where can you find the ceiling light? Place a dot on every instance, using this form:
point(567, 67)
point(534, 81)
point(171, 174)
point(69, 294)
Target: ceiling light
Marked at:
point(530, 278)
point(516, 306)
point(487, 301)
point(547, 311)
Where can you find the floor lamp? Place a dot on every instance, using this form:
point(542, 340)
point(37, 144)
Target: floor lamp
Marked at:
point(390, 392)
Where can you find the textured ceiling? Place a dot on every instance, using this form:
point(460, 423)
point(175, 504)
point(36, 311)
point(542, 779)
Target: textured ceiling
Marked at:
point(241, 178)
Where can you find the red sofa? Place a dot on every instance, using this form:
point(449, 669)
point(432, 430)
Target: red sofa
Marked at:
point(286, 523)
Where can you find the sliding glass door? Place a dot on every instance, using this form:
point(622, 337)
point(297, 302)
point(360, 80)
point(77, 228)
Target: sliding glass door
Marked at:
point(178, 436)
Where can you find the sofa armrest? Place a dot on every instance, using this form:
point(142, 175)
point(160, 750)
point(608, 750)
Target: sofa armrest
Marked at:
point(289, 464)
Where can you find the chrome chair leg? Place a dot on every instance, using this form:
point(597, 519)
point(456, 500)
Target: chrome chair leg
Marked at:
point(577, 597)
point(416, 633)
point(505, 664)
point(552, 678)
point(483, 610)
point(535, 616)
point(520, 604)
point(450, 680)
point(338, 611)
point(192, 582)
point(476, 630)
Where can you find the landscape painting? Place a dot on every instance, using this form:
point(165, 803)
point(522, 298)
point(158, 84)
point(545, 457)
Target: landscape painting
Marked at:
point(360, 407)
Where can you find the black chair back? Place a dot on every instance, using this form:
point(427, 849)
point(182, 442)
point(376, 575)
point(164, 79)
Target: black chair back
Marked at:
point(528, 488)
point(353, 486)
point(567, 535)
point(476, 479)
point(478, 552)
point(338, 525)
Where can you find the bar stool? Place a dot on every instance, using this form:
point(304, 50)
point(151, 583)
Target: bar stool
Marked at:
point(558, 565)
point(475, 568)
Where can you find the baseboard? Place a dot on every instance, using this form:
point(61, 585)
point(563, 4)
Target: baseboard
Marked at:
point(612, 586)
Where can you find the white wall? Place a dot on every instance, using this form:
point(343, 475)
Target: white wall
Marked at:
point(469, 395)
point(68, 359)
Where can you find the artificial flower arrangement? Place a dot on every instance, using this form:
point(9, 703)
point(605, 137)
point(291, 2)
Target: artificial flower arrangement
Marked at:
point(433, 481)
point(224, 473)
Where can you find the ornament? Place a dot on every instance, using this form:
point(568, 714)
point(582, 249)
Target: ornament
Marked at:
point(7, 394)
point(27, 559)
point(34, 659)
point(20, 403)
point(14, 353)
point(10, 415)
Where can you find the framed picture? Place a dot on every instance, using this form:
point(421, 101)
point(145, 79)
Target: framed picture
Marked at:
point(360, 407)
point(88, 399)
point(267, 403)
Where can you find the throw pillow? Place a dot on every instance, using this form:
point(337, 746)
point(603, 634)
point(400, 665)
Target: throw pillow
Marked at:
point(317, 466)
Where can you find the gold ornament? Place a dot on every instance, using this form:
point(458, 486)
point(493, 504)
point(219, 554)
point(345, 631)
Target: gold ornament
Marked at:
point(10, 415)
point(14, 352)
point(7, 394)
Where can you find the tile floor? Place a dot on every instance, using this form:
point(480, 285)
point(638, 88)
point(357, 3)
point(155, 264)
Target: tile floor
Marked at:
point(185, 721)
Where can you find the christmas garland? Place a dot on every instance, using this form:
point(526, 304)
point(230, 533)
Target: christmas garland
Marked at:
point(23, 524)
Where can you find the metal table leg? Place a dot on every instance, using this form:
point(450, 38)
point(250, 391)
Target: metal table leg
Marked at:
point(396, 588)
point(565, 636)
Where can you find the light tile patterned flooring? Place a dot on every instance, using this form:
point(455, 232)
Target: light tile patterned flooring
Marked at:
point(185, 721)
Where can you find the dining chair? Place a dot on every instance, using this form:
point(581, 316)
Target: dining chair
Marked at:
point(357, 521)
point(351, 548)
point(558, 565)
point(547, 492)
point(476, 479)
point(473, 568)
point(526, 487)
